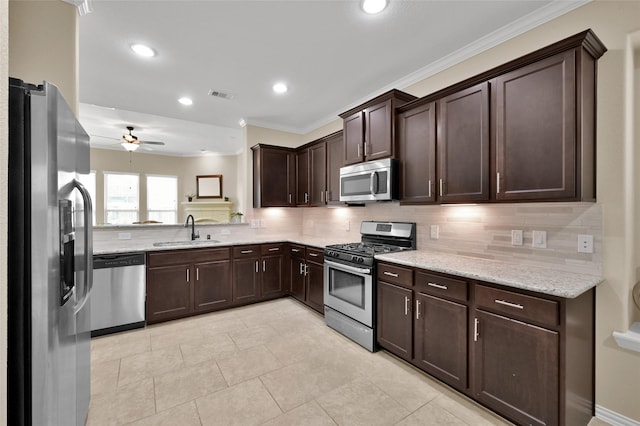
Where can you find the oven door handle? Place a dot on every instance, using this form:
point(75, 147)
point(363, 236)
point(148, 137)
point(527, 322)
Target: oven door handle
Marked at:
point(348, 268)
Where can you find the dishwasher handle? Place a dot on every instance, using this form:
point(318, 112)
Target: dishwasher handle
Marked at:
point(118, 260)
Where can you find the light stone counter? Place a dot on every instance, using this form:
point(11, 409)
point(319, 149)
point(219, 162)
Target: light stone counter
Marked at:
point(146, 245)
point(541, 280)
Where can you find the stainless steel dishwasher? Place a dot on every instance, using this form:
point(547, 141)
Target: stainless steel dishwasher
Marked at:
point(118, 295)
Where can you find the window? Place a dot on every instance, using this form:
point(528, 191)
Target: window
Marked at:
point(162, 198)
point(121, 195)
point(89, 182)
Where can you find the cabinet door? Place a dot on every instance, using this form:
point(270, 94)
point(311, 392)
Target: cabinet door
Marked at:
point(354, 138)
point(296, 271)
point(315, 286)
point(212, 289)
point(334, 162)
point(272, 279)
point(317, 174)
point(417, 146)
point(169, 291)
point(246, 277)
point(274, 177)
point(515, 369)
point(378, 131)
point(535, 138)
point(440, 339)
point(463, 145)
point(302, 178)
point(394, 323)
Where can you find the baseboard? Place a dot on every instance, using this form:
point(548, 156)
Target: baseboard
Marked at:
point(614, 418)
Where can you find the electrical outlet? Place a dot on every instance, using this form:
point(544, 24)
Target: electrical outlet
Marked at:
point(347, 225)
point(539, 239)
point(255, 223)
point(225, 231)
point(516, 237)
point(262, 223)
point(585, 243)
point(435, 232)
point(124, 235)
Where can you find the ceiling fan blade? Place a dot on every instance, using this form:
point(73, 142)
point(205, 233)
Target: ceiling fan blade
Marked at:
point(105, 137)
point(152, 143)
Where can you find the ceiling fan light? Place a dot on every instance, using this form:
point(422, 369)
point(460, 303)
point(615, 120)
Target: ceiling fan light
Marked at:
point(129, 146)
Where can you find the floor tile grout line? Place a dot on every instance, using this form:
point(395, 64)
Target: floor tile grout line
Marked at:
point(272, 397)
point(325, 411)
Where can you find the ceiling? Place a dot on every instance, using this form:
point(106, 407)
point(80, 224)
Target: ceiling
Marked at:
point(330, 54)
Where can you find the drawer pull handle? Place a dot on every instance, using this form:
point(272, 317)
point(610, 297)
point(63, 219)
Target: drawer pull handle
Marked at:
point(509, 304)
point(406, 305)
point(391, 274)
point(314, 254)
point(440, 286)
point(246, 251)
point(274, 249)
point(295, 250)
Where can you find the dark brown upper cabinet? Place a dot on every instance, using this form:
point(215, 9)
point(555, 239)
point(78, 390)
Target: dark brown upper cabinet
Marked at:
point(463, 145)
point(273, 176)
point(417, 152)
point(536, 151)
point(334, 162)
point(302, 177)
point(369, 129)
point(318, 174)
point(523, 131)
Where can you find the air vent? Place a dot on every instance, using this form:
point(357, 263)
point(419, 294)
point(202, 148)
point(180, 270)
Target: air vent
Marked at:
point(219, 94)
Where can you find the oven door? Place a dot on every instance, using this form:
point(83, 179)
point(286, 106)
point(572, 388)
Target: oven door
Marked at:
point(349, 290)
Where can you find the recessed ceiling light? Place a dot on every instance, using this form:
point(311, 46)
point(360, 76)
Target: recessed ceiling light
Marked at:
point(143, 50)
point(374, 6)
point(242, 122)
point(280, 88)
point(185, 101)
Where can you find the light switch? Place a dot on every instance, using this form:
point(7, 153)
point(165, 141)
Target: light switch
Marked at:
point(539, 239)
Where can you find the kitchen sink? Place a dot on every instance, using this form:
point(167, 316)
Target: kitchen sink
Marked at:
point(184, 243)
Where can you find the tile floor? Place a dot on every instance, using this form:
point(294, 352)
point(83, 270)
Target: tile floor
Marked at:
point(273, 363)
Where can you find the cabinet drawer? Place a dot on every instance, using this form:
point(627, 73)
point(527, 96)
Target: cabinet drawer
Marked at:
point(315, 255)
point(442, 286)
point(272, 249)
point(395, 274)
point(246, 251)
point(296, 250)
point(518, 305)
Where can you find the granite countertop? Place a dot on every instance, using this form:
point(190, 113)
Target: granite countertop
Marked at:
point(127, 246)
point(538, 279)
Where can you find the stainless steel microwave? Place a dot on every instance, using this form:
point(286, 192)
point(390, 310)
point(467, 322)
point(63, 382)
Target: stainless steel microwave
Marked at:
point(370, 181)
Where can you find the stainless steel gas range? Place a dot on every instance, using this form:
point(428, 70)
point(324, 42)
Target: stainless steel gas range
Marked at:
point(349, 278)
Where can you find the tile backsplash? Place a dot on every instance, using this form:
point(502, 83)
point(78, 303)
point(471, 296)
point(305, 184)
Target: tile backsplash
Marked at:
point(482, 230)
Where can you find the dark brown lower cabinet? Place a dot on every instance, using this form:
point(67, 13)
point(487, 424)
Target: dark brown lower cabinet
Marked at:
point(272, 276)
point(212, 288)
point(516, 369)
point(168, 293)
point(183, 282)
point(440, 338)
point(306, 275)
point(246, 279)
point(527, 356)
point(394, 319)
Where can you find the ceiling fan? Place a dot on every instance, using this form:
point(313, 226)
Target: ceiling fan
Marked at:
point(130, 142)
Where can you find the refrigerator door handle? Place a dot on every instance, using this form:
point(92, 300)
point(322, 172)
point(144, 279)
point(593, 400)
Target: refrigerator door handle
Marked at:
point(88, 244)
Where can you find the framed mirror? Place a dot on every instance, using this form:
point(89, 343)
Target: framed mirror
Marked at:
point(209, 186)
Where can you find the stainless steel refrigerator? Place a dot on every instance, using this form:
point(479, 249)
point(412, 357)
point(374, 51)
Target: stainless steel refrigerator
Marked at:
point(49, 260)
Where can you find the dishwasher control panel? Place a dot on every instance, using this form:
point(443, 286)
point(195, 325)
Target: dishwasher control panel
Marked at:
point(118, 260)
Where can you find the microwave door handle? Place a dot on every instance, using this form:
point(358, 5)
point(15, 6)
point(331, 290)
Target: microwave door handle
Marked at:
point(373, 183)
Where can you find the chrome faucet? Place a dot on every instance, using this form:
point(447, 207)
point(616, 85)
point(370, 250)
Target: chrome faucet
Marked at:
point(194, 235)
